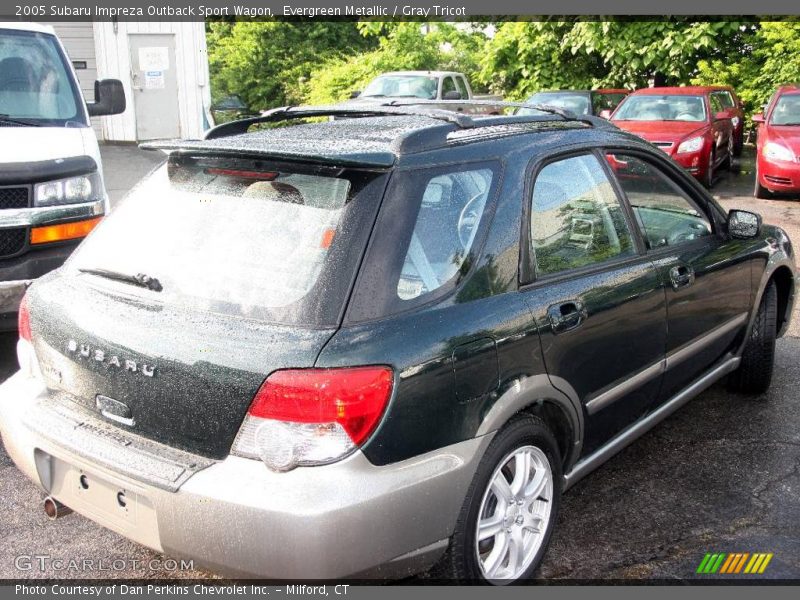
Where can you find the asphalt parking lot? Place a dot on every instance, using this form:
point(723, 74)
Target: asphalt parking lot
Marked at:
point(721, 475)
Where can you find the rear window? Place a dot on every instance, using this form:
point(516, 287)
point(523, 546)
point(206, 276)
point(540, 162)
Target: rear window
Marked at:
point(265, 241)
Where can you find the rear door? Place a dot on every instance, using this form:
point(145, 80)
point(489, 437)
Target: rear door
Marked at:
point(706, 276)
point(597, 299)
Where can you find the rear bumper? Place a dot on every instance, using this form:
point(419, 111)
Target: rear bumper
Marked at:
point(350, 518)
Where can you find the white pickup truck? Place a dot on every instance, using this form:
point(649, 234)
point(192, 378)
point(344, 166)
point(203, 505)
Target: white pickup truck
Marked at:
point(446, 86)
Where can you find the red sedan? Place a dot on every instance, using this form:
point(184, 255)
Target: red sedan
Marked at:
point(778, 145)
point(688, 123)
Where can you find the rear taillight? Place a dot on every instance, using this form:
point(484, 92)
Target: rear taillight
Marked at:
point(313, 416)
point(26, 355)
point(24, 319)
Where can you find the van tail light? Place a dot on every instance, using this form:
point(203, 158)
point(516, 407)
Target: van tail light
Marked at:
point(28, 363)
point(313, 416)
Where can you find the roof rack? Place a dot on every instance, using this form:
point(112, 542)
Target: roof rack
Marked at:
point(285, 113)
point(567, 115)
point(418, 108)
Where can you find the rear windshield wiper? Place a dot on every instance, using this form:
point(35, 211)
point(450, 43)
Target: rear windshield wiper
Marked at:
point(12, 121)
point(140, 279)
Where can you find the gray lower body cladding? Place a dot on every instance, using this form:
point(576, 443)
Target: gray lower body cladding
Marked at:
point(351, 518)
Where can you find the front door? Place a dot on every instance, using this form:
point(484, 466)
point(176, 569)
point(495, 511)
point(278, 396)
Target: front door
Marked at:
point(706, 276)
point(597, 300)
point(722, 130)
point(155, 85)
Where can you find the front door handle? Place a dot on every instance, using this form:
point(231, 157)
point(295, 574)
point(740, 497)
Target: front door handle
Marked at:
point(681, 276)
point(567, 315)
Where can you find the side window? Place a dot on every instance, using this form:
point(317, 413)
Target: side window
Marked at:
point(716, 105)
point(576, 218)
point(726, 99)
point(602, 102)
point(462, 88)
point(444, 233)
point(665, 214)
point(448, 86)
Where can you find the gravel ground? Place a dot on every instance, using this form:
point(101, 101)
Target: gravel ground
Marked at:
point(721, 475)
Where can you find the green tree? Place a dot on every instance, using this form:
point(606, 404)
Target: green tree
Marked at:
point(770, 58)
point(525, 57)
point(266, 62)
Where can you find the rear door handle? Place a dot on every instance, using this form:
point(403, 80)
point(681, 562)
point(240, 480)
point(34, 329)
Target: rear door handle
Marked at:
point(566, 316)
point(681, 276)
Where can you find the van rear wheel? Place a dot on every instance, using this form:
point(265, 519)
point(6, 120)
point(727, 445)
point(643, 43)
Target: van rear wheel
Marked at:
point(512, 504)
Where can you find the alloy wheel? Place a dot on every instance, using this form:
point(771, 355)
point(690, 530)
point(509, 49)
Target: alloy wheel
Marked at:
point(514, 514)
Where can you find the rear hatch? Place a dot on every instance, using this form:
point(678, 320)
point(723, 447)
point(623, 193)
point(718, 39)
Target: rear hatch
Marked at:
point(212, 274)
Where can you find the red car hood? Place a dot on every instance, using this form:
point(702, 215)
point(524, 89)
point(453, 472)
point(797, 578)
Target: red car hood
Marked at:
point(789, 136)
point(661, 131)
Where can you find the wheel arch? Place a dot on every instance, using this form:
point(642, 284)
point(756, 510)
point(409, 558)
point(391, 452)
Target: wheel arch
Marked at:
point(538, 396)
point(784, 282)
point(780, 269)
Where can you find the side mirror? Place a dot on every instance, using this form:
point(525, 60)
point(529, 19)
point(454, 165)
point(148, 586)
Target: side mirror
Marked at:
point(605, 113)
point(355, 94)
point(452, 95)
point(109, 98)
point(722, 115)
point(758, 118)
point(743, 225)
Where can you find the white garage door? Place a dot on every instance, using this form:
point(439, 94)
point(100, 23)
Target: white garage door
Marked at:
point(78, 39)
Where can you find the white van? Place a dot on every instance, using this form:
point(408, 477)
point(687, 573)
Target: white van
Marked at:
point(51, 178)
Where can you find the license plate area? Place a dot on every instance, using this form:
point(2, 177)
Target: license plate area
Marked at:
point(109, 503)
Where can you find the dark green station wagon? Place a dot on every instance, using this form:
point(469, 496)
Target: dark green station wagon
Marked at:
point(382, 344)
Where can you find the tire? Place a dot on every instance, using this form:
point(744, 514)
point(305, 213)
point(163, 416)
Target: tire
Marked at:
point(739, 144)
point(708, 180)
point(467, 560)
point(734, 166)
point(759, 191)
point(755, 371)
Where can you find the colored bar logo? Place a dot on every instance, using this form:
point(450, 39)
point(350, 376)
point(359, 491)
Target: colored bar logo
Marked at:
point(734, 563)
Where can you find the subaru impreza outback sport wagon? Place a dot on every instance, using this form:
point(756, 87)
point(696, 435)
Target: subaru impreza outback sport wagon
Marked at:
point(382, 345)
